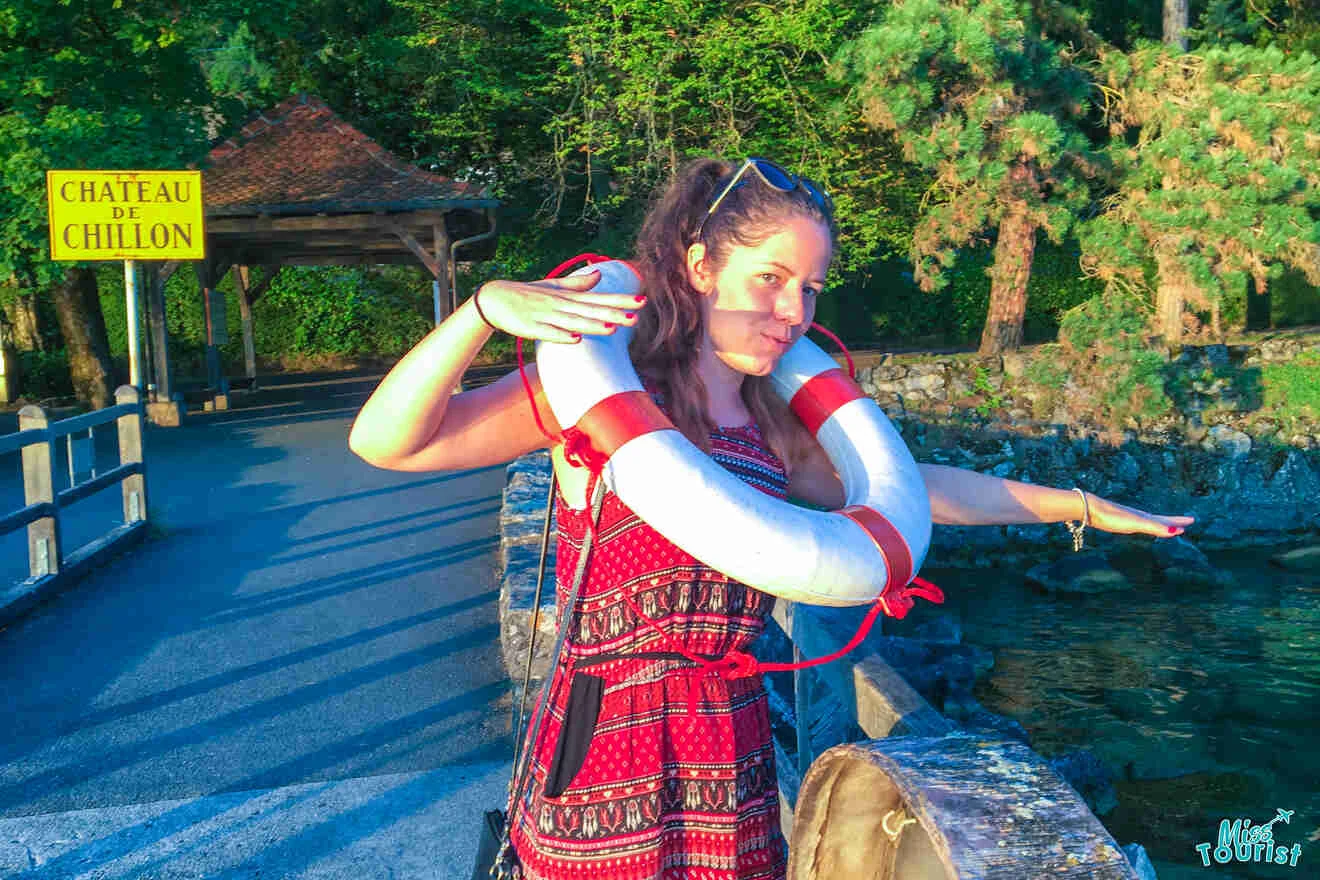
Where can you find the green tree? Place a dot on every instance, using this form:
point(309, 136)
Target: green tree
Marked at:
point(1291, 25)
point(640, 86)
point(1218, 153)
point(92, 84)
point(979, 99)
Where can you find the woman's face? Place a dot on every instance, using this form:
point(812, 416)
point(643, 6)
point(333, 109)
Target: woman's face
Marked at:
point(764, 298)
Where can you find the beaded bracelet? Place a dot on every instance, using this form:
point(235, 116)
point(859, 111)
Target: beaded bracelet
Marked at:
point(1079, 528)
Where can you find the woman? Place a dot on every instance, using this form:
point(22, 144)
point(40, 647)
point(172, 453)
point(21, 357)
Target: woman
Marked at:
point(733, 258)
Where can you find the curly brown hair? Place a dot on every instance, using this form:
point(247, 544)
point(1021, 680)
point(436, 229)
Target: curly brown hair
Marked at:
point(668, 335)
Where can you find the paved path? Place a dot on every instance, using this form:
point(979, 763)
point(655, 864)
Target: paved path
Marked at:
point(301, 677)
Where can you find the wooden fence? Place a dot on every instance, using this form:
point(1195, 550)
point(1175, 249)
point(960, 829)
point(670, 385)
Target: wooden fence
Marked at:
point(50, 567)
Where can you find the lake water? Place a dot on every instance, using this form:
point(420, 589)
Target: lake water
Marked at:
point(1204, 701)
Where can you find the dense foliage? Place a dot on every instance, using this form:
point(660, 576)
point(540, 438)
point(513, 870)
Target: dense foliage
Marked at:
point(1222, 184)
point(89, 84)
point(573, 113)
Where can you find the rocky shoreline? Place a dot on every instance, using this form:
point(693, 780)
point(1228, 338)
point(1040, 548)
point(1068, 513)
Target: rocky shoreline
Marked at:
point(1230, 467)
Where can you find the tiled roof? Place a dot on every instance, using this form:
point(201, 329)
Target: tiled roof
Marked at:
point(299, 157)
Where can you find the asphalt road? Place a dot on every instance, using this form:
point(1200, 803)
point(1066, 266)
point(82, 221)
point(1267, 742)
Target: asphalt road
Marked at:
point(299, 677)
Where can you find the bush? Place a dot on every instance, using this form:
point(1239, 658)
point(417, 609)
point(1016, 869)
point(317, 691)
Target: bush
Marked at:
point(899, 310)
point(349, 312)
point(307, 311)
point(45, 374)
point(1102, 348)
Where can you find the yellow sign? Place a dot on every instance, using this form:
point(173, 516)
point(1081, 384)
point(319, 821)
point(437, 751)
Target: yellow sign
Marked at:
point(125, 215)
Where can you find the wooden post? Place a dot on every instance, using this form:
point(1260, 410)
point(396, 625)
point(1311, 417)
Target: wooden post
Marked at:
point(158, 330)
point(209, 277)
point(130, 451)
point(435, 263)
point(44, 554)
point(245, 309)
point(205, 283)
point(443, 283)
point(162, 407)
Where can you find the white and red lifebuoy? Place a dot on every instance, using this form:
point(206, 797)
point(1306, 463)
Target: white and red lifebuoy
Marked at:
point(869, 549)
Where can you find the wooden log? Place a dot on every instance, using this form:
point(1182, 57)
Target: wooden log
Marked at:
point(982, 808)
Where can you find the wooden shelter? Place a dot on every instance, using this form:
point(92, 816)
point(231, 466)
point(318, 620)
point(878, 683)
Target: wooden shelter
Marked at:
point(299, 186)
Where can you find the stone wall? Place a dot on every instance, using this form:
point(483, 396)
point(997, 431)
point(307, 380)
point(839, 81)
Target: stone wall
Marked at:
point(522, 522)
point(1246, 478)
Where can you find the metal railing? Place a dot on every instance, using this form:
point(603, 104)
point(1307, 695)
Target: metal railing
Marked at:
point(50, 567)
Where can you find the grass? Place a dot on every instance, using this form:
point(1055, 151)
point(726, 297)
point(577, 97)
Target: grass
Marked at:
point(1294, 388)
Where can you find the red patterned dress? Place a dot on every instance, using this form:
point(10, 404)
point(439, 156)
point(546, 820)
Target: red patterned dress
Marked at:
point(629, 785)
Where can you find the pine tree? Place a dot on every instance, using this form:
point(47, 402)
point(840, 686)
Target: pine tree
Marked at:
point(1218, 152)
point(975, 94)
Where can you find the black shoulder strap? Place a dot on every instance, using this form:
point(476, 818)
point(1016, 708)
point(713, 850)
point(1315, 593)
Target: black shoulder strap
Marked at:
point(522, 761)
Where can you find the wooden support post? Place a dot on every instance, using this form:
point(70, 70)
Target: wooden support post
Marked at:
point(130, 451)
point(210, 275)
point(263, 285)
point(204, 283)
point(44, 554)
point(245, 309)
point(431, 264)
point(158, 330)
point(162, 407)
point(443, 283)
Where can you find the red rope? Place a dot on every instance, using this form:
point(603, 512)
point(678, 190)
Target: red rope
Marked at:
point(527, 386)
point(739, 664)
point(577, 446)
point(852, 369)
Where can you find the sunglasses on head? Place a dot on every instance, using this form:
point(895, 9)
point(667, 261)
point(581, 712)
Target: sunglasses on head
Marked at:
point(772, 175)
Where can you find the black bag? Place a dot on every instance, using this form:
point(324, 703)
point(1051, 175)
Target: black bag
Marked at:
point(492, 846)
point(496, 859)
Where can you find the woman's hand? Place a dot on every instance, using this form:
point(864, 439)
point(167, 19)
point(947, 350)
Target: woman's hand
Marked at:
point(1109, 516)
point(556, 309)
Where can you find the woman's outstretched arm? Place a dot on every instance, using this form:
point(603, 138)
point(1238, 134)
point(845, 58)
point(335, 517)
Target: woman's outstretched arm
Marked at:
point(963, 497)
point(959, 496)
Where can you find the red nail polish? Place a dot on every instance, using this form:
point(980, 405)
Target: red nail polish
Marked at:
point(640, 298)
point(608, 325)
point(1173, 530)
point(577, 337)
point(629, 316)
